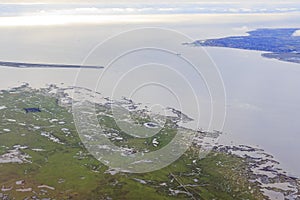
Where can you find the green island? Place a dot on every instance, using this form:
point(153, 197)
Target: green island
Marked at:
point(42, 157)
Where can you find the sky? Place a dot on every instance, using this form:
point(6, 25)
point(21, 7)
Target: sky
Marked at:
point(140, 1)
point(30, 12)
point(91, 7)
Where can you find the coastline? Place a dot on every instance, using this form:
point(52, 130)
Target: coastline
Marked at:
point(262, 170)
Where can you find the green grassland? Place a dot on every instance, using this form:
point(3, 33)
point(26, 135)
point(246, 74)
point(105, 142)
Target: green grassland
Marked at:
point(74, 174)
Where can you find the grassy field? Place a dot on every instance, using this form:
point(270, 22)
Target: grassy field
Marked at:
point(59, 167)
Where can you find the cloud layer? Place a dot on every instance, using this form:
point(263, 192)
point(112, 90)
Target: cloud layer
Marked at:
point(29, 14)
point(13, 9)
point(296, 33)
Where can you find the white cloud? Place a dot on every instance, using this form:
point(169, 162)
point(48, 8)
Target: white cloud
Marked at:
point(296, 33)
point(95, 11)
point(160, 7)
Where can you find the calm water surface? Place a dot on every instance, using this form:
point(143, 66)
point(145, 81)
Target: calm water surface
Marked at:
point(262, 94)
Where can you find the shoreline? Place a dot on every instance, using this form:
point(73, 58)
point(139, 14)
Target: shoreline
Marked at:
point(43, 65)
point(263, 169)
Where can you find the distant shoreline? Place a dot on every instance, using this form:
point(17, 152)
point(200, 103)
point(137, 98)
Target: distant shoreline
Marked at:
point(43, 65)
point(280, 44)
